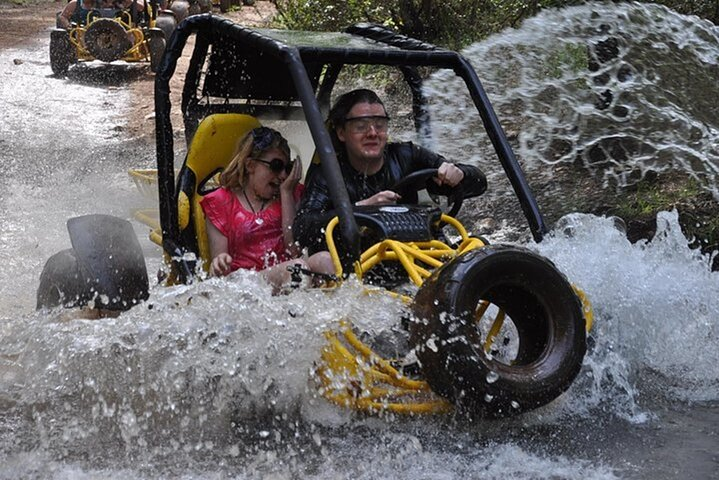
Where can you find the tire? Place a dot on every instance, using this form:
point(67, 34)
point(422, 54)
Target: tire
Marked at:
point(205, 6)
point(106, 40)
point(544, 318)
point(225, 6)
point(181, 9)
point(156, 45)
point(166, 22)
point(61, 52)
point(62, 282)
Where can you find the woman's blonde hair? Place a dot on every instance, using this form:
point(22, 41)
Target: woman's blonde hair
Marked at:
point(252, 145)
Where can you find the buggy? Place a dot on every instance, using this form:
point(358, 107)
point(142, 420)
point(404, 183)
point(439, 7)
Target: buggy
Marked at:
point(108, 34)
point(495, 330)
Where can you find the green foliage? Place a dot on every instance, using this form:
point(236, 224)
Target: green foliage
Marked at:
point(652, 197)
point(450, 23)
point(329, 15)
point(708, 9)
point(573, 56)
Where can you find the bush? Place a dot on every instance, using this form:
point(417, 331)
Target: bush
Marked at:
point(329, 15)
point(450, 23)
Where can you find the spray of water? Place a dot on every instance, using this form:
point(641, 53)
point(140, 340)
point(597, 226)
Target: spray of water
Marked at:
point(621, 89)
point(213, 380)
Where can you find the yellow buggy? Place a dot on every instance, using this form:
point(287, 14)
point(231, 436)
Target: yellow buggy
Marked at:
point(134, 34)
point(494, 330)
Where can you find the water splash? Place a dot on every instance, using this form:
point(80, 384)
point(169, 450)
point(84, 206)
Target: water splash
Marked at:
point(620, 89)
point(655, 307)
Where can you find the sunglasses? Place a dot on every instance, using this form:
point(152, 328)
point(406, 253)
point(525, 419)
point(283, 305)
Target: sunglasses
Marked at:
point(363, 124)
point(276, 165)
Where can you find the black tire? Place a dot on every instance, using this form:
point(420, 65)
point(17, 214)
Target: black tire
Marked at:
point(541, 307)
point(156, 45)
point(105, 266)
point(62, 282)
point(61, 52)
point(205, 6)
point(166, 22)
point(181, 9)
point(225, 6)
point(106, 40)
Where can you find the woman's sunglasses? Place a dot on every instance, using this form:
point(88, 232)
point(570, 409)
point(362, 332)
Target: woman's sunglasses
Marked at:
point(276, 165)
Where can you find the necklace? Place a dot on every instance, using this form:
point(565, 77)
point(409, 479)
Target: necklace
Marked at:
point(262, 206)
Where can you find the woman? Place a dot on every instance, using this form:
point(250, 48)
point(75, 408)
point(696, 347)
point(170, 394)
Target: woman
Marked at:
point(249, 218)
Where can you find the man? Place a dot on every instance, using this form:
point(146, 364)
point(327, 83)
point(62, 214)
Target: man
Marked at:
point(76, 11)
point(371, 166)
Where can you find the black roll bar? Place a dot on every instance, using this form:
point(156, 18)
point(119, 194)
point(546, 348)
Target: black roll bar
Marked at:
point(407, 54)
point(208, 29)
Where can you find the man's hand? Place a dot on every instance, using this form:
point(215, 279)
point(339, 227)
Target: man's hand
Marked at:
point(385, 197)
point(220, 265)
point(448, 174)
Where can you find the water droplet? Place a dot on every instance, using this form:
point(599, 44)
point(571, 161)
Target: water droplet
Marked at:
point(259, 221)
point(514, 404)
point(488, 398)
point(492, 377)
point(432, 345)
point(264, 434)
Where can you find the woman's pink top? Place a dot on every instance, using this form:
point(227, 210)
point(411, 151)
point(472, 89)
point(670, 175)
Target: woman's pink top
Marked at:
point(254, 240)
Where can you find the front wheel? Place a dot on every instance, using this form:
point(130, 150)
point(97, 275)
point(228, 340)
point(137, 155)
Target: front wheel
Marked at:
point(499, 331)
point(166, 22)
point(156, 45)
point(61, 51)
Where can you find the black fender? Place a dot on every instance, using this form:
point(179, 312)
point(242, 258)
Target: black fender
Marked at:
point(105, 267)
point(546, 315)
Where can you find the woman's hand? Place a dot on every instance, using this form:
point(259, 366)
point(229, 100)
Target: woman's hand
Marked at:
point(221, 265)
point(288, 184)
point(449, 174)
point(385, 197)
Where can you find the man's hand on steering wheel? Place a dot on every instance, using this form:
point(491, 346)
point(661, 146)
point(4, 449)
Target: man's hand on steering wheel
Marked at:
point(448, 177)
point(385, 197)
point(448, 174)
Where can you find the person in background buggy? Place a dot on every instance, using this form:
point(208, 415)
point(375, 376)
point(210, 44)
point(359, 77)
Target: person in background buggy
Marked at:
point(76, 11)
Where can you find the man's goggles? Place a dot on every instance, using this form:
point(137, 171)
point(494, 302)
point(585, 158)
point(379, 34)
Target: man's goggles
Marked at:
point(363, 124)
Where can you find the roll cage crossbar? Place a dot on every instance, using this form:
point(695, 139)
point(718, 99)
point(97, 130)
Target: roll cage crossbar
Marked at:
point(286, 74)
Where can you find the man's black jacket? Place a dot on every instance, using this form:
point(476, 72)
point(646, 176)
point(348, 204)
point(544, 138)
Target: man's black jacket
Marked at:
point(400, 159)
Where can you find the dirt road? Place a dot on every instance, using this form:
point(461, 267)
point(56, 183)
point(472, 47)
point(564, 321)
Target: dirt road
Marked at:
point(66, 145)
point(28, 25)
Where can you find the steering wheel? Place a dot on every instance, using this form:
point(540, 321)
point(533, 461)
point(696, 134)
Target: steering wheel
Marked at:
point(416, 181)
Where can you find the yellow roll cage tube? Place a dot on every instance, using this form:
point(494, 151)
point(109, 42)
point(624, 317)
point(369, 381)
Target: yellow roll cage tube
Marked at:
point(352, 375)
point(349, 373)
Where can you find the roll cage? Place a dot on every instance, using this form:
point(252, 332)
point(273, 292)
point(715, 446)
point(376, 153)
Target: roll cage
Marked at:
point(277, 74)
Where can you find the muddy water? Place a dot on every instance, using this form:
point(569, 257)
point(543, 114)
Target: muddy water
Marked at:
point(212, 380)
point(64, 153)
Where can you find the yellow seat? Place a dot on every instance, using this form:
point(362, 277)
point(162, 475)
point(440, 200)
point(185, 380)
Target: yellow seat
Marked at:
point(210, 152)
